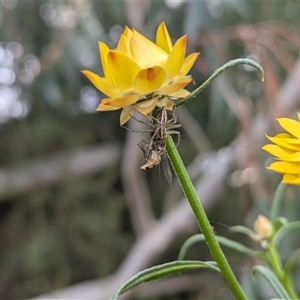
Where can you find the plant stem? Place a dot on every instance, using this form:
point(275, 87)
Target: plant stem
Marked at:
point(202, 220)
point(276, 265)
point(228, 65)
point(274, 261)
point(290, 287)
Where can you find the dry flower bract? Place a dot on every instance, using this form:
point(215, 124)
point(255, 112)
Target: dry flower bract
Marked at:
point(286, 149)
point(140, 75)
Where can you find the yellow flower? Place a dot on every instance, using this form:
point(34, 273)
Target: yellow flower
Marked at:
point(286, 149)
point(140, 75)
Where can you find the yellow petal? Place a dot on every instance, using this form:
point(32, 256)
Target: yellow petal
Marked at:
point(284, 135)
point(145, 53)
point(146, 107)
point(103, 50)
point(292, 141)
point(175, 86)
point(285, 167)
point(163, 39)
point(127, 32)
point(291, 179)
point(281, 142)
point(149, 80)
point(123, 101)
point(180, 94)
point(126, 114)
point(277, 150)
point(104, 107)
point(123, 45)
point(165, 102)
point(187, 65)
point(291, 126)
point(298, 116)
point(101, 84)
point(294, 157)
point(123, 70)
point(176, 58)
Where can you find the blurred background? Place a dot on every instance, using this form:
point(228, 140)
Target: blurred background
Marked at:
point(77, 215)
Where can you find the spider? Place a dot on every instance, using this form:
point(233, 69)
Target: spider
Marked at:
point(155, 151)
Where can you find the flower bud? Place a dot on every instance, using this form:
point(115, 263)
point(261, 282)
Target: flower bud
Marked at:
point(263, 227)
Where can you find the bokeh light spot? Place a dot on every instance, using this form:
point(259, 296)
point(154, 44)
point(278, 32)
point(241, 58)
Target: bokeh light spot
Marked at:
point(16, 49)
point(89, 99)
point(7, 76)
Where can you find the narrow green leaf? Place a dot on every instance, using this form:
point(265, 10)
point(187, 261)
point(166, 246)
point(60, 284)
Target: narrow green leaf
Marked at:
point(242, 229)
point(284, 230)
point(275, 208)
point(223, 241)
point(189, 243)
point(162, 271)
point(279, 222)
point(291, 262)
point(273, 281)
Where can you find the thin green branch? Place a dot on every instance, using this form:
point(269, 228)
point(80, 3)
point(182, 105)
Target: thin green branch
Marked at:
point(202, 220)
point(230, 64)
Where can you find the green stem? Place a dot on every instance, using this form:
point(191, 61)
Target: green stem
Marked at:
point(274, 261)
point(202, 220)
point(276, 265)
point(290, 287)
point(230, 64)
point(275, 208)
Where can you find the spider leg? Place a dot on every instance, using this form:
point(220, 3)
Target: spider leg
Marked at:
point(142, 122)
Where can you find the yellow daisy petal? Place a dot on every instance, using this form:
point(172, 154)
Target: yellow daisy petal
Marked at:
point(123, 101)
point(277, 150)
point(291, 126)
point(146, 107)
point(149, 80)
point(281, 142)
point(284, 135)
point(126, 114)
point(123, 70)
point(291, 179)
point(285, 167)
point(145, 53)
point(292, 141)
point(294, 157)
point(101, 84)
point(175, 86)
point(163, 39)
point(176, 58)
